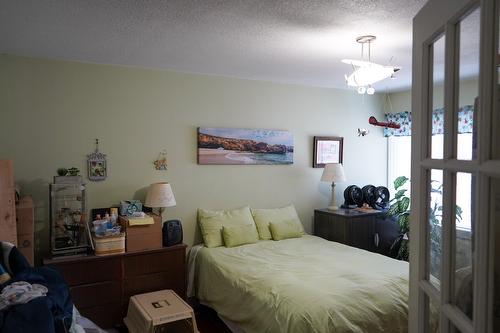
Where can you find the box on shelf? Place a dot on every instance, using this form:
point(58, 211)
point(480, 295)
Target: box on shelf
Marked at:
point(142, 237)
point(159, 311)
point(109, 245)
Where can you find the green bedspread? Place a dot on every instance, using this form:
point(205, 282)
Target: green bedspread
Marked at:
point(304, 284)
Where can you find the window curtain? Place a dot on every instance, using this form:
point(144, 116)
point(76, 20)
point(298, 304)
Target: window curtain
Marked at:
point(465, 115)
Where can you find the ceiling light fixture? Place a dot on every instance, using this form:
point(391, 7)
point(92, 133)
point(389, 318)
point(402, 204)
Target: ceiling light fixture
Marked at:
point(365, 73)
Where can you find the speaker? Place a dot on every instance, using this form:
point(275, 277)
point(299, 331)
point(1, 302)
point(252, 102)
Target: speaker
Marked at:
point(172, 232)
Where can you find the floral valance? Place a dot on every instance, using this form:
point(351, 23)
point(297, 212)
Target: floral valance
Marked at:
point(465, 116)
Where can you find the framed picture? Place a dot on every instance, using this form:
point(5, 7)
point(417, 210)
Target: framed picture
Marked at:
point(244, 146)
point(327, 149)
point(97, 169)
point(96, 164)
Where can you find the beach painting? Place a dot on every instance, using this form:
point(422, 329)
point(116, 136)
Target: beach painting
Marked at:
point(244, 146)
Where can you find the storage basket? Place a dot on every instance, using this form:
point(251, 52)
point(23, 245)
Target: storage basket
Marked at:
point(109, 245)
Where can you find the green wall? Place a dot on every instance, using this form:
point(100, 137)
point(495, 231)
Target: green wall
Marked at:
point(401, 101)
point(51, 111)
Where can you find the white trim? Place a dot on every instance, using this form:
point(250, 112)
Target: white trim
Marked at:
point(459, 319)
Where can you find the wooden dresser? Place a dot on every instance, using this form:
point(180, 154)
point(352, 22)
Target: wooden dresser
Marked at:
point(8, 228)
point(369, 231)
point(25, 217)
point(101, 286)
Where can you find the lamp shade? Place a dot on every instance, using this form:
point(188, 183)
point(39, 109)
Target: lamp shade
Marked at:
point(160, 195)
point(333, 172)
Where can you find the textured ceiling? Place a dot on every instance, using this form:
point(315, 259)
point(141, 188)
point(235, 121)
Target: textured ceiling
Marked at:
point(276, 40)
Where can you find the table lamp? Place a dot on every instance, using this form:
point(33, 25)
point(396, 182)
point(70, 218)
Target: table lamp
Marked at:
point(333, 173)
point(160, 195)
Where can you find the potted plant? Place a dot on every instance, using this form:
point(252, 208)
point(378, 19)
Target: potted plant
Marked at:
point(400, 210)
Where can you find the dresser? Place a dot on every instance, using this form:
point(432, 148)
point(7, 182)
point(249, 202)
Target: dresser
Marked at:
point(25, 217)
point(101, 286)
point(372, 231)
point(8, 227)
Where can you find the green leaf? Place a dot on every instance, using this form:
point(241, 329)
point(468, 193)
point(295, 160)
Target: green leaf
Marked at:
point(400, 194)
point(394, 209)
point(404, 204)
point(404, 222)
point(400, 181)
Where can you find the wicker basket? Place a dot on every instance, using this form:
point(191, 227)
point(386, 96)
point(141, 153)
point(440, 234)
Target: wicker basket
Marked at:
point(109, 245)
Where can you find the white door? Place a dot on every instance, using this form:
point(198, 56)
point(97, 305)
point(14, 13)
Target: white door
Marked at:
point(455, 168)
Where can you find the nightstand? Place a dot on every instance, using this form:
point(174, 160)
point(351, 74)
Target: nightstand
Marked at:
point(101, 286)
point(374, 231)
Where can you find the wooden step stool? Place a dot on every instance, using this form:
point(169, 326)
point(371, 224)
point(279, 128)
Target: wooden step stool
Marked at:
point(160, 311)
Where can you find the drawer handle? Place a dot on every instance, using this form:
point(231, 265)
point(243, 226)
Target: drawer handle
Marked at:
point(26, 243)
point(376, 239)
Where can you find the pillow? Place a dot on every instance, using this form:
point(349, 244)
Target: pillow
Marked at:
point(212, 221)
point(286, 229)
point(239, 235)
point(263, 217)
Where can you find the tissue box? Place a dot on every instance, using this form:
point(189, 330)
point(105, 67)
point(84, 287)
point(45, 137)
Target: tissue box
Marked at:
point(129, 207)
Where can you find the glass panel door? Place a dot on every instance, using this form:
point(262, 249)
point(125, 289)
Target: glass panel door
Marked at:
point(455, 167)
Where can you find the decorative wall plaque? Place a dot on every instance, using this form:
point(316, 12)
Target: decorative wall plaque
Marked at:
point(161, 162)
point(96, 163)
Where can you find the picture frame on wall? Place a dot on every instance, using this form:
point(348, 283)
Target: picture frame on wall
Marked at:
point(244, 146)
point(326, 150)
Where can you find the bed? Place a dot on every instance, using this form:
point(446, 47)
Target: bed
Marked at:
point(304, 284)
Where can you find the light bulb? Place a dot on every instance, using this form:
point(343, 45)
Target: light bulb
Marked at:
point(361, 90)
point(370, 91)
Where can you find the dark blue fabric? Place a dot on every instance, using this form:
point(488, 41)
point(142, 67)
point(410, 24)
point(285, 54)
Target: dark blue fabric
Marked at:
point(49, 314)
point(34, 316)
point(17, 261)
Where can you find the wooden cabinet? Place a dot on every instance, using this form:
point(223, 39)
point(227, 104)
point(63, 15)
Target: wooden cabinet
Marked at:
point(25, 217)
point(368, 231)
point(101, 286)
point(8, 227)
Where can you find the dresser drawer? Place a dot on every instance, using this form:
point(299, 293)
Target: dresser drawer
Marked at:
point(94, 294)
point(24, 218)
point(170, 261)
point(91, 271)
point(25, 246)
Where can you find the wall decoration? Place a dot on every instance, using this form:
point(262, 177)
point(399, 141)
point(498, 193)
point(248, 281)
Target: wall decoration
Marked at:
point(96, 164)
point(244, 146)
point(327, 149)
point(161, 162)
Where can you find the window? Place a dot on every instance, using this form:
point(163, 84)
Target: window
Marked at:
point(399, 164)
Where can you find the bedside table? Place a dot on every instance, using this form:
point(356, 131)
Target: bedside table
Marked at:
point(374, 232)
point(101, 286)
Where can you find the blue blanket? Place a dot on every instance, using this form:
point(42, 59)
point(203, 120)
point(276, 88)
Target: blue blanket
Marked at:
point(49, 314)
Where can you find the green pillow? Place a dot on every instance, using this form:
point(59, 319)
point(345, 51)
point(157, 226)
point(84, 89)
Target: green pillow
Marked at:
point(239, 235)
point(286, 229)
point(263, 217)
point(212, 221)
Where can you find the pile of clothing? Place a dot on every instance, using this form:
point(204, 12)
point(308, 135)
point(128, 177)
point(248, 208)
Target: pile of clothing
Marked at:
point(32, 299)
